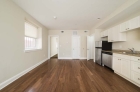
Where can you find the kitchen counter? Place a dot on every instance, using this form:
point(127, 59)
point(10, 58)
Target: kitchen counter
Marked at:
point(124, 52)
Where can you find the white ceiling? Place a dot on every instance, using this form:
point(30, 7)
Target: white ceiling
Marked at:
point(127, 14)
point(71, 14)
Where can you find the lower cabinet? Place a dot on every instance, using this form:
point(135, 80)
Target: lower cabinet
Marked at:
point(117, 64)
point(121, 66)
point(135, 77)
point(127, 67)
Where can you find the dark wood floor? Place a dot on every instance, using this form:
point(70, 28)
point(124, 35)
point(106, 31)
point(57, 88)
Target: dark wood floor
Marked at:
point(71, 76)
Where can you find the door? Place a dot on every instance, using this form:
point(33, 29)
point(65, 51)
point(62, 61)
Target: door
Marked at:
point(88, 47)
point(76, 47)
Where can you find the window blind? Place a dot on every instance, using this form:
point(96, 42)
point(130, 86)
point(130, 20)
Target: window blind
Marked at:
point(31, 30)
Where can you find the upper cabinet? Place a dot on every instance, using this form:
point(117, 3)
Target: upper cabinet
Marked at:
point(130, 24)
point(114, 34)
point(117, 33)
point(104, 33)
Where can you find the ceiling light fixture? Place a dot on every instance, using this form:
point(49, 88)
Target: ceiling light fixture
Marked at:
point(54, 17)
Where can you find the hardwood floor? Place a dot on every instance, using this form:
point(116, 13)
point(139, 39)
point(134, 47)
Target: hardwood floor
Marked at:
point(71, 76)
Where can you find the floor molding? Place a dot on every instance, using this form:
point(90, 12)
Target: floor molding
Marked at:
point(83, 58)
point(9, 81)
point(64, 58)
point(71, 58)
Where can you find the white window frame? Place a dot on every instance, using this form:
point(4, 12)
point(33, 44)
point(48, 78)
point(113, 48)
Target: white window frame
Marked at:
point(38, 40)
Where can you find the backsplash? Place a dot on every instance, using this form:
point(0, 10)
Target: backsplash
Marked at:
point(133, 41)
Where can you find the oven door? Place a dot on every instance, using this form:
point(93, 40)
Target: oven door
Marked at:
point(107, 60)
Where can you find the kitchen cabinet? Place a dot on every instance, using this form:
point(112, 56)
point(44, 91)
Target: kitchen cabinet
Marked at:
point(130, 24)
point(104, 33)
point(125, 68)
point(128, 67)
point(135, 69)
point(114, 34)
point(121, 66)
point(117, 64)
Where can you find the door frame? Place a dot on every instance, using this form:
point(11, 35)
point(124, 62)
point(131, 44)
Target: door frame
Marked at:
point(49, 45)
point(79, 46)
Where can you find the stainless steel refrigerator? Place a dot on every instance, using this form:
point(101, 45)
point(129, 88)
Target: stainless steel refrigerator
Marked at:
point(99, 46)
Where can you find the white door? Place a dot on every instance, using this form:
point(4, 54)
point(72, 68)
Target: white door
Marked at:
point(88, 47)
point(76, 47)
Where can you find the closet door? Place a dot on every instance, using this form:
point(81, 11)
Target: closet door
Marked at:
point(76, 47)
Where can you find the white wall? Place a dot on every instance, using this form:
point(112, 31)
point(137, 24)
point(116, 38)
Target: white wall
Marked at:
point(13, 59)
point(65, 42)
point(133, 40)
point(53, 46)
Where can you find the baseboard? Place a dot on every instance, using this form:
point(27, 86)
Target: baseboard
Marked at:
point(9, 81)
point(71, 58)
point(64, 58)
point(83, 58)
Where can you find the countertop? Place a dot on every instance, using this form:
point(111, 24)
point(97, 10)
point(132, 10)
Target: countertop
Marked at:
point(124, 52)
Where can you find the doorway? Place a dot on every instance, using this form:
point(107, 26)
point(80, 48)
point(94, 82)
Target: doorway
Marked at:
point(75, 47)
point(53, 47)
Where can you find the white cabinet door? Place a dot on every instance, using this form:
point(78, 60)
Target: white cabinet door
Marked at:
point(110, 35)
point(134, 23)
point(116, 33)
point(125, 68)
point(102, 34)
point(123, 27)
point(106, 33)
point(130, 24)
point(117, 64)
point(135, 77)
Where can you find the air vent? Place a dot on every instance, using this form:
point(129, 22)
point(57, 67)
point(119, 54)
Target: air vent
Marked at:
point(62, 31)
point(74, 32)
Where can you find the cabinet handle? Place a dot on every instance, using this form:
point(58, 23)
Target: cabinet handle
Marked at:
point(138, 59)
point(138, 78)
point(128, 28)
point(138, 67)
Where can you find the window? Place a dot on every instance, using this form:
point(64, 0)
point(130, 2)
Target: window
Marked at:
point(32, 36)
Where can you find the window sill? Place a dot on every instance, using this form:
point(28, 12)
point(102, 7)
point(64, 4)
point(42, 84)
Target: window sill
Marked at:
point(31, 50)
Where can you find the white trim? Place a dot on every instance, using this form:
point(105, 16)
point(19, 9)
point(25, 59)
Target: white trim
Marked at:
point(31, 50)
point(12, 79)
point(64, 58)
point(49, 44)
point(83, 58)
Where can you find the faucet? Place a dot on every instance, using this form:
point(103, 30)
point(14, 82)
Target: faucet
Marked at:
point(132, 50)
